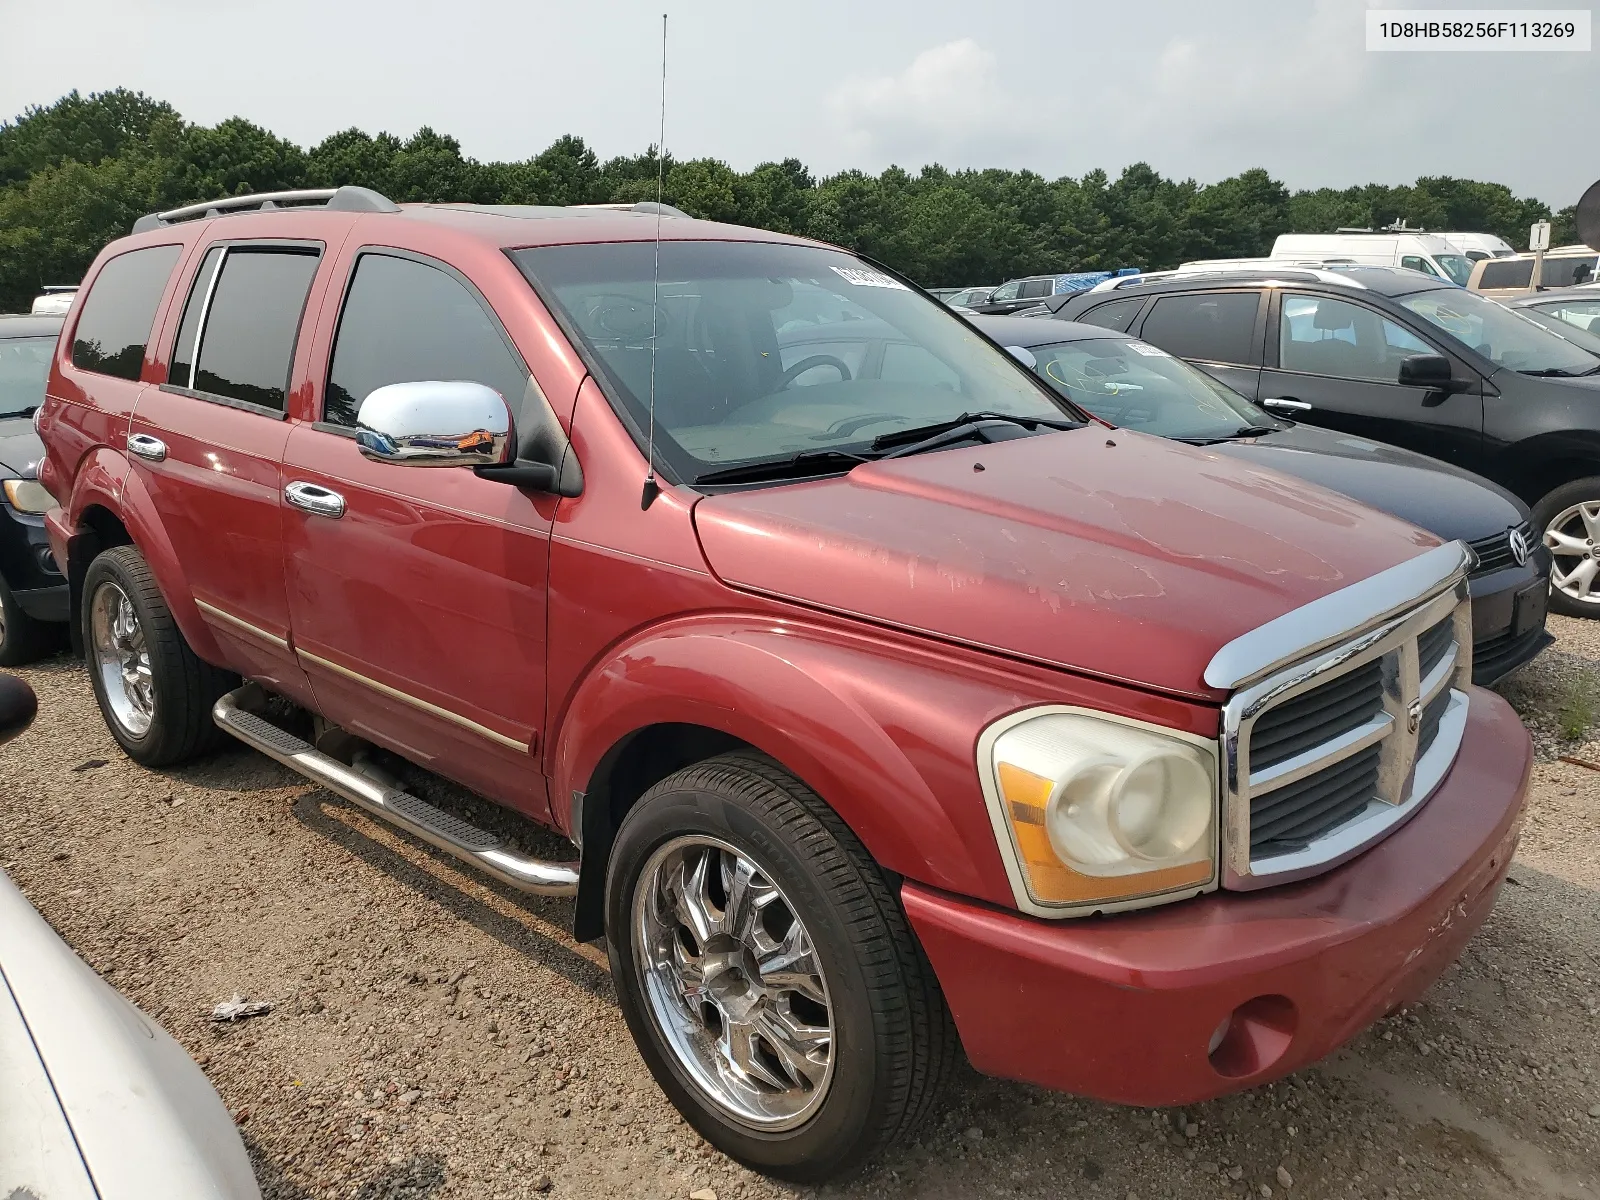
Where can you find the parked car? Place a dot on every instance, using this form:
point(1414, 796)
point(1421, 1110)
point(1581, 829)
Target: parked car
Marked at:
point(96, 1100)
point(1018, 295)
point(968, 297)
point(1429, 253)
point(1508, 278)
point(878, 706)
point(1396, 358)
point(1574, 313)
point(54, 301)
point(1134, 385)
point(942, 293)
point(33, 592)
point(1478, 246)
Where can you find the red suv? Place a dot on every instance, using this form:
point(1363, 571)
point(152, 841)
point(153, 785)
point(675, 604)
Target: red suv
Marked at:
point(895, 705)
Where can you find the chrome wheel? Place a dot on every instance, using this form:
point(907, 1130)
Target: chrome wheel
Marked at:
point(122, 659)
point(1573, 537)
point(733, 982)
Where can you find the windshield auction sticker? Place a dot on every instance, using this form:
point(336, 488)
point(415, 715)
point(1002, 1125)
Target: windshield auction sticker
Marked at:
point(862, 277)
point(1478, 29)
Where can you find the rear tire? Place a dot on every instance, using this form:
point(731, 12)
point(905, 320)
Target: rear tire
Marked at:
point(24, 639)
point(153, 692)
point(692, 1001)
point(1568, 522)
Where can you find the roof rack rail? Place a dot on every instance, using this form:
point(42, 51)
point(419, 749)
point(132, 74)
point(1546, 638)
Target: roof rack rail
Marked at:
point(342, 199)
point(639, 206)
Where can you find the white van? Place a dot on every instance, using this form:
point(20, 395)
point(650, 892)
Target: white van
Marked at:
point(1423, 252)
point(1477, 246)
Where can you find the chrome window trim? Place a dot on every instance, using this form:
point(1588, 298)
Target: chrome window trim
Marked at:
point(1001, 826)
point(1401, 773)
point(1335, 617)
point(205, 311)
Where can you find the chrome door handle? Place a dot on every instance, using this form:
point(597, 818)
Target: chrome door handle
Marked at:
point(145, 446)
point(314, 499)
point(1285, 405)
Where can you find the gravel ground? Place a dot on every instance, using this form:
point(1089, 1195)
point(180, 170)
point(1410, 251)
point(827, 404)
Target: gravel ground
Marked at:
point(433, 1035)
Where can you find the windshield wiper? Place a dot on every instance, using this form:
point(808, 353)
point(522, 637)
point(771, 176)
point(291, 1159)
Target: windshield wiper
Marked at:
point(1253, 431)
point(899, 437)
point(1558, 373)
point(21, 412)
point(797, 466)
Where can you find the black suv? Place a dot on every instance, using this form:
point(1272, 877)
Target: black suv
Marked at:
point(1403, 358)
point(33, 593)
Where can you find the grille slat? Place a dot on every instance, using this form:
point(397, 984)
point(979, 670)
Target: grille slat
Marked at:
point(1433, 645)
point(1494, 552)
point(1431, 716)
point(1323, 713)
point(1290, 817)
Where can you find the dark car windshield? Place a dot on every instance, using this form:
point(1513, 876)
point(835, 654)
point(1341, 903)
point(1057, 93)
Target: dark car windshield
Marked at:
point(1138, 386)
point(24, 366)
point(1500, 335)
point(1457, 266)
point(766, 350)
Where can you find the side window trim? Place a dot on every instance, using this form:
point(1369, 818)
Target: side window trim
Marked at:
point(427, 261)
point(290, 245)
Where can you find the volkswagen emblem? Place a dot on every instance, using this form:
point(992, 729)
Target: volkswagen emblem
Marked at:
point(1519, 547)
point(1414, 716)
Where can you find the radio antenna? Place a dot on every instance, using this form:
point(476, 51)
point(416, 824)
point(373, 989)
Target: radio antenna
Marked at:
point(652, 489)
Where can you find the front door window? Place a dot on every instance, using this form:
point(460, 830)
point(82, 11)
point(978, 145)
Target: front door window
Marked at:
point(1319, 335)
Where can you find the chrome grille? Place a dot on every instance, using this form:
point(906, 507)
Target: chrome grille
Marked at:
point(1324, 756)
point(1495, 553)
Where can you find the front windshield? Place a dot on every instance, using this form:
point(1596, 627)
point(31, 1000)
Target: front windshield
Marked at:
point(24, 366)
point(1137, 386)
point(766, 351)
point(1457, 266)
point(1500, 335)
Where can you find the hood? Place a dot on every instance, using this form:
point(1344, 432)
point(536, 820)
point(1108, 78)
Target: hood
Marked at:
point(20, 447)
point(1443, 499)
point(1106, 552)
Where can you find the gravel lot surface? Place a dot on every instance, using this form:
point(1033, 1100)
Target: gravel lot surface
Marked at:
point(433, 1035)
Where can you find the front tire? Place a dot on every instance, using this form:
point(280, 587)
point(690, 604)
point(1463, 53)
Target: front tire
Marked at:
point(767, 972)
point(1568, 520)
point(153, 692)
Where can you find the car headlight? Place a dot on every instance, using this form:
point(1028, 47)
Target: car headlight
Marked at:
point(1094, 812)
point(28, 495)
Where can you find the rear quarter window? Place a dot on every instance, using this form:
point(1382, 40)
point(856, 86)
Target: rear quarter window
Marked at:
point(114, 327)
point(1118, 315)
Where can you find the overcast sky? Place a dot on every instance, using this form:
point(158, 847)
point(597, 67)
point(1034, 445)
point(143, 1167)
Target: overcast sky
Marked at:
point(1057, 86)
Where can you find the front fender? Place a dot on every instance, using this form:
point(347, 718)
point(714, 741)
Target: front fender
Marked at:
point(108, 482)
point(884, 734)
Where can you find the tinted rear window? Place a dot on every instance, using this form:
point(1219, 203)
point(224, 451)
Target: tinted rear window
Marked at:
point(1517, 273)
point(247, 344)
point(119, 310)
point(1215, 326)
point(1118, 315)
point(1567, 272)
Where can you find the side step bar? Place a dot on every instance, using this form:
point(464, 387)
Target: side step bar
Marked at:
point(417, 817)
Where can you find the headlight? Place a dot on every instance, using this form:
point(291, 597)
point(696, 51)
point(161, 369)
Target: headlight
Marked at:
point(1095, 812)
point(29, 496)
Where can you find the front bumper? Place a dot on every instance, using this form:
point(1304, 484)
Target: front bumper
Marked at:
point(1124, 1008)
point(1508, 617)
point(28, 566)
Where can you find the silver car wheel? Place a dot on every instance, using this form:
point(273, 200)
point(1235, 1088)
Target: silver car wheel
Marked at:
point(122, 659)
point(733, 982)
point(1573, 537)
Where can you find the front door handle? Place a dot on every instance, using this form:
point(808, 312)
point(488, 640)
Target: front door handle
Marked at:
point(314, 499)
point(145, 446)
point(1285, 405)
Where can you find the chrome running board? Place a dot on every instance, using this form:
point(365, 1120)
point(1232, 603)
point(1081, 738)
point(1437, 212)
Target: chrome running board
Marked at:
point(401, 809)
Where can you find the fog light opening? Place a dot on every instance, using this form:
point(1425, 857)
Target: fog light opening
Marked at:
point(1253, 1036)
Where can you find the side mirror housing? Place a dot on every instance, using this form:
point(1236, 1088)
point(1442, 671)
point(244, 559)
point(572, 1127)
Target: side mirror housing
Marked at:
point(436, 423)
point(1431, 371)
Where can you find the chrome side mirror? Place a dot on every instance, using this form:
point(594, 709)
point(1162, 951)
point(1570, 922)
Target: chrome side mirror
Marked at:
point(436, 423)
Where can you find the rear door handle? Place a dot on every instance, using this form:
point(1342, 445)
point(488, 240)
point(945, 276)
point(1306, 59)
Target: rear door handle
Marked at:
point(314, 499)
point(145, 446)
point(1285, 405)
